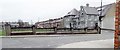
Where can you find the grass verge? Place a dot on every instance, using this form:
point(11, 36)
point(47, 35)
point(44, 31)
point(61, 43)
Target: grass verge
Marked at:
point(2, 33)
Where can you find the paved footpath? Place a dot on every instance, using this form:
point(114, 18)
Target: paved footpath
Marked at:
point(109, 43)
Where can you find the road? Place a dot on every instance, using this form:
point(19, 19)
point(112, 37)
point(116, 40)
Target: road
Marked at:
point(53, 42)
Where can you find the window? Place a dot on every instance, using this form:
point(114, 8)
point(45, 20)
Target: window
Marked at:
point(82, 22)
point(92, 16)
point(74, 22)
point(91, 25)
point(78, 23)
point(82, 13)
point(78, 18)
point(67, 19)
point(91, 22)
point(82, 9)
point(95, 19)
point(82, 19)
point(89, 17)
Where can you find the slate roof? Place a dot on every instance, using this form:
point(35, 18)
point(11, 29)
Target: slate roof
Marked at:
point(90, 10)
point(105, 8)
point(73, 12)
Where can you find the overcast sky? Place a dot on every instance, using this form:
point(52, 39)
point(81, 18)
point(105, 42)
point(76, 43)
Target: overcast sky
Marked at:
point(40, 10)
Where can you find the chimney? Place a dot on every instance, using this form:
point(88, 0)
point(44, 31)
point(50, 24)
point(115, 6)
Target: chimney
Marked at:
point(81, 6)
point(87, 5)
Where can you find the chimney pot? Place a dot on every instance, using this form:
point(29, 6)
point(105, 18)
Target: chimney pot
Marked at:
point(87, 5)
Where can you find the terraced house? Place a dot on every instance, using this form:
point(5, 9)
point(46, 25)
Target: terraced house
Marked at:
point(50, 23)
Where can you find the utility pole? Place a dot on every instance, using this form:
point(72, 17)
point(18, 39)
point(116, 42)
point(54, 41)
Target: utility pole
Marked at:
point(100, 18)
point(101, 15)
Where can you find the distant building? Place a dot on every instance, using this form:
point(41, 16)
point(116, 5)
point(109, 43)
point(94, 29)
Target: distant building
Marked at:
point(50, 23)
point(13, 24)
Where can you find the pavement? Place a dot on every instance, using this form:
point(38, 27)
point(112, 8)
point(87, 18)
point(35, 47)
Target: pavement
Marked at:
point(28, 36)
point(0, 43)
point(109, 43)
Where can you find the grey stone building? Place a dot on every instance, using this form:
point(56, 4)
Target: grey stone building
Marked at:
point(86, 17)
point(69, 18)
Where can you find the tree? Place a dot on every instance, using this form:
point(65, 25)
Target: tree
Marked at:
point(21, 23)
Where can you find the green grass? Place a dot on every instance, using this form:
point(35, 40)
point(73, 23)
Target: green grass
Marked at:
point(2, 33)
point(44, 30)
point(38, 30)
point(21, 29)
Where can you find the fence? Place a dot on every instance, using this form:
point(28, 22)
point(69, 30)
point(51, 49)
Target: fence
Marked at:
point(36, 31)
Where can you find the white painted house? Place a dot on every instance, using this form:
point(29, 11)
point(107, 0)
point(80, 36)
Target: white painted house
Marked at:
point(108, 13)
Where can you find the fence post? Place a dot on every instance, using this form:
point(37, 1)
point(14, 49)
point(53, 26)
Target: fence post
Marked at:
point(55, 29)
point(71, 29)
point(34, 30)
point(7, 29)
point(85, 29)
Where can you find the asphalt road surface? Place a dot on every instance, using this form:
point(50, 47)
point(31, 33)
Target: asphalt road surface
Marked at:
point(53, 42)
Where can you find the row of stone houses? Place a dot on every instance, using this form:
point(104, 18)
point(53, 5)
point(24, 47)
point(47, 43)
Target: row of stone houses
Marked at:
point(86, 17)
point(50, 23)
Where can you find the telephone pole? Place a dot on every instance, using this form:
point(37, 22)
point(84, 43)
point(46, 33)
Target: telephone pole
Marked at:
point(100, 17)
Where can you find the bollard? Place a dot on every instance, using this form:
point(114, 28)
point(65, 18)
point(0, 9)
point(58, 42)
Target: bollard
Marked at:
point(7, 29)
